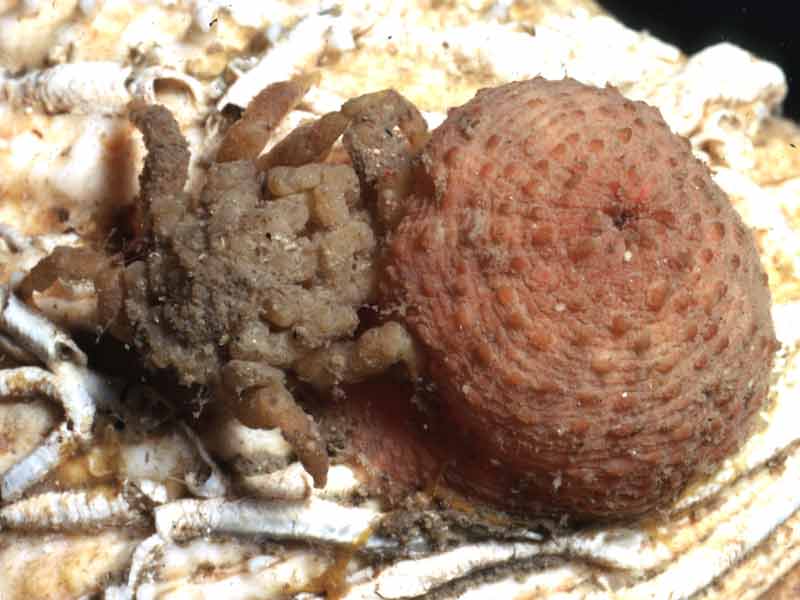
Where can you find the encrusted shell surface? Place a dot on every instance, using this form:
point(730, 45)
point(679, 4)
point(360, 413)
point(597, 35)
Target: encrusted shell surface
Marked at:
point(594, 310)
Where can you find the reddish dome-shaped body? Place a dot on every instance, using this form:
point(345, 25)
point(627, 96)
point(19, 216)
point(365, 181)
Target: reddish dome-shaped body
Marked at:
point(594, 313)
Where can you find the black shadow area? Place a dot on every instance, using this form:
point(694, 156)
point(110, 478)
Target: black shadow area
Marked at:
point(768, 29)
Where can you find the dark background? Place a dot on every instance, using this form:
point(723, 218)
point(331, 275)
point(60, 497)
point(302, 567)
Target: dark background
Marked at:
point(767, 28)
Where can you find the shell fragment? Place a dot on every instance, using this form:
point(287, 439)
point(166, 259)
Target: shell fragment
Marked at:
point(319, 520)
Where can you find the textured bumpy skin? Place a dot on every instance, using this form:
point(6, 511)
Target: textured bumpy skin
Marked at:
point(594, 311)
point(234, 276)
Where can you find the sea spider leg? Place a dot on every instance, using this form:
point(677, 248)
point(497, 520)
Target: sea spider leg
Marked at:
point(258, 397)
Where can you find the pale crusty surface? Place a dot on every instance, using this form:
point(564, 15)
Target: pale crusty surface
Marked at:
point(420, 66)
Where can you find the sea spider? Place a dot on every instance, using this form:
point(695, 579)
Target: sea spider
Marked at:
point(256, 283)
